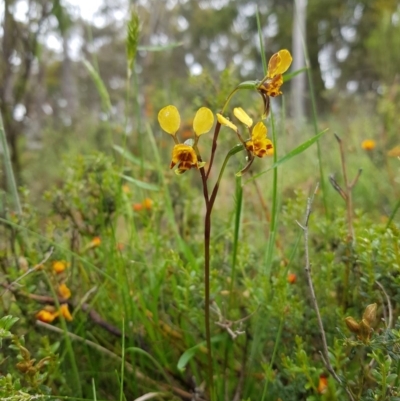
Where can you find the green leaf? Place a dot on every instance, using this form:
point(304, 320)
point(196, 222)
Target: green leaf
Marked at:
point(300, 149)
point(191, 352)
point(101, 88)
point(288, 77)
point(7, 322)
point(132, 158)
point(141, 184)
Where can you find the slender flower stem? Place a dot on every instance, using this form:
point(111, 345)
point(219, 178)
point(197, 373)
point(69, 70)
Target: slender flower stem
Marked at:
point(207, 236)
point(214, 147)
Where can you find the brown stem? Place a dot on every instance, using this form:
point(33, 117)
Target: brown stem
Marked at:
point(207, 235)
point(214, 147)
point(349, 187)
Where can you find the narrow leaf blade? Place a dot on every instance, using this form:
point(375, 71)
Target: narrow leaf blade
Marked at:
point(300, 149)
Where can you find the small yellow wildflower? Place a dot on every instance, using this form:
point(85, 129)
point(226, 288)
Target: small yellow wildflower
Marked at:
point(184, 154)
point(46, 316)
point(126, 189)
point(277, 65)
point(259, 145)
point(147, 203)
point(59, 266)
point(322, 384)
point(368, 144)
point(65, 312)
point(95, 242)
point(64, 291)
point(169, 119)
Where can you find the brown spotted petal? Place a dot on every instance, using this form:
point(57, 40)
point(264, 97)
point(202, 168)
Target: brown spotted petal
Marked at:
point(185, 157)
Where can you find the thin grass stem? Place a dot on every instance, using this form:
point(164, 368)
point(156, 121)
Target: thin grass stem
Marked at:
point(11, 182)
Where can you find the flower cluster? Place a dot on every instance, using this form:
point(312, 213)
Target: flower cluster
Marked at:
point(49, 313)
point(186, 155)
point(258, 144)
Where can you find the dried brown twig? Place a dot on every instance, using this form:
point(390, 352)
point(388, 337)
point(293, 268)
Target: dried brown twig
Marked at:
point(29, 271)
point(346, 193)
point(325, 352)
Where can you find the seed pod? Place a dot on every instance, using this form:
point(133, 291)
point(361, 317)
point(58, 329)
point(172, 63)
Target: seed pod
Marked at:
point(352, 324)
point(365, 331)
point(370, 314)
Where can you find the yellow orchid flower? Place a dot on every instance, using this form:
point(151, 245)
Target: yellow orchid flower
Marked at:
point(184, 154)
point(224, 121)
point(170, 120)
point(259, 145)
point(203, 121)
point(278, 64)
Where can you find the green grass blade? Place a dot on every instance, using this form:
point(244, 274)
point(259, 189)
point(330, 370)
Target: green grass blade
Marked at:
point(101, 88)
point(191, 352)
point(132, 158)
point(288, 77)
point(123, 351)
point(8, 168)
point(300, 149)
point(396, 208)
point(238, 215)
point(152, 359)
point(141, 184)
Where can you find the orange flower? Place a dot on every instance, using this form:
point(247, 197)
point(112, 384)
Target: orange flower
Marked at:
point(322, 384)
point(291, 278)
point(65, 312)
point(59, 266)
point(64, 291)
point(137, 207)
point(368, 144)
point(95, 242)
point(46, 316)
point(147, 203)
